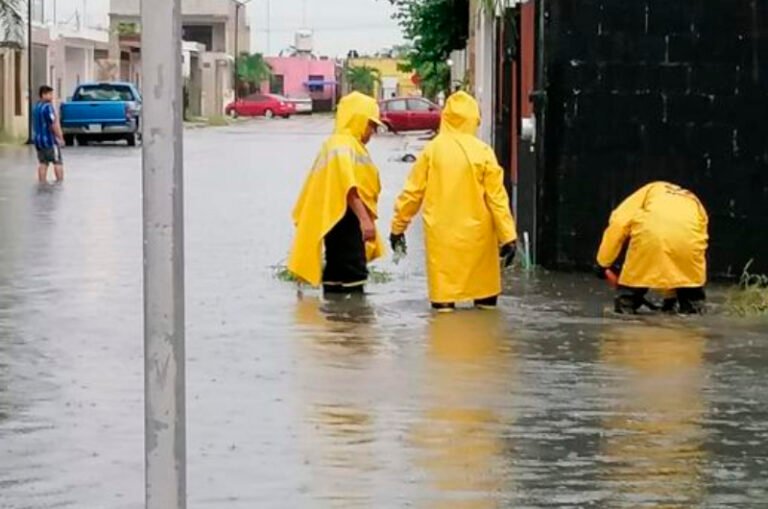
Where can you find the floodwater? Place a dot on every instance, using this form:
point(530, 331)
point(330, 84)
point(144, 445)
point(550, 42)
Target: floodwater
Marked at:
point(298, 403)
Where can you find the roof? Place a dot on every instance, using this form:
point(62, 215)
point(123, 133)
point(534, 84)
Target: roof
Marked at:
point(113, 83)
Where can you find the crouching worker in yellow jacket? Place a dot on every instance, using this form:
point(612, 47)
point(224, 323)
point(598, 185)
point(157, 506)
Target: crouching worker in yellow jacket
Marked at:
point(663, 230)
point(338, 204)
point(467, 219)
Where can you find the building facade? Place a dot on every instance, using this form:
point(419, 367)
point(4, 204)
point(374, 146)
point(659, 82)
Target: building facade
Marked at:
point(394, 82)
point(591, 99)
point(218, 29)
point(65, 42)
point(303, 76)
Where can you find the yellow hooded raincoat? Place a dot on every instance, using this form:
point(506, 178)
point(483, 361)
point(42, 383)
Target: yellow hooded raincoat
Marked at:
point(666, 227)
point(343, 164)
point(466, 208)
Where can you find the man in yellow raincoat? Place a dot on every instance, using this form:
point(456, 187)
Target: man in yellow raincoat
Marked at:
point(337, 207)
point(664, 230)
point(466, 213)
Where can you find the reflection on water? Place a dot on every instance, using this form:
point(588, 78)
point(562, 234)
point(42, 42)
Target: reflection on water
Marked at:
point(653, 440)
point(340, 427)
point(458, 439)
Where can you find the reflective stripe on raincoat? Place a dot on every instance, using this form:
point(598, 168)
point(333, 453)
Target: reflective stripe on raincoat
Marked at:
point(666, 227)
point(343, 164)
point(466, 208)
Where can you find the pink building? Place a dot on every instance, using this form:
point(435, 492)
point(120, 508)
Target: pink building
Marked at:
point(301, 76)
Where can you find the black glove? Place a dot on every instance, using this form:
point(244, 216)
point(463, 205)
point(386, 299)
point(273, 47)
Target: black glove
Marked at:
point(397, 242)
point(507, 254)
point(600, 272)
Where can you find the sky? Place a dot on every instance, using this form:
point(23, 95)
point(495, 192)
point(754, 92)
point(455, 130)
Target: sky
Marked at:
point(339, 25)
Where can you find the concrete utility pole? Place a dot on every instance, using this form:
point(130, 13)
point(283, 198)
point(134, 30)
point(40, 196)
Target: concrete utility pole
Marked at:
point(238, 5)
point(164, 382)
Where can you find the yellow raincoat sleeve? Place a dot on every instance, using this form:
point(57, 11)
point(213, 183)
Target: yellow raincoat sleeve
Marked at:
point(410, 200)
point(498, 202)
point(619, 227)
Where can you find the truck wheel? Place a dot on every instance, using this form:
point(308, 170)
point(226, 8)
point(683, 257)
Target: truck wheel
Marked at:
point(82, 141)
point(69, 140)
point(131, 139)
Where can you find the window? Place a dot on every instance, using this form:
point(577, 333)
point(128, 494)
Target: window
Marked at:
point(277, 84)
point(17, 88)
point(316, 78)
point(418, 105)
point(256, 98)
point(397, 106)
point(202, 34)
point(99, 93)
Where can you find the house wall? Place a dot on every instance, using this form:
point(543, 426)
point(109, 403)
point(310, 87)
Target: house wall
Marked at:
point(216, 71)
point(642, 90)
point(14, 99)
point(296, 72)
point(219, 13)
point(388, 67)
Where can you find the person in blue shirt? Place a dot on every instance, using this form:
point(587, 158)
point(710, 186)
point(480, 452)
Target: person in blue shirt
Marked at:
point(47, 136)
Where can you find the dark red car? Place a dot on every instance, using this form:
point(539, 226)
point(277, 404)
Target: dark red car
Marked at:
point(261, 105)
point(410, 114)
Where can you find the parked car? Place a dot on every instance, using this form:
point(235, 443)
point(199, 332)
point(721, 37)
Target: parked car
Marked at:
point(261, 105)
point(304, 105)
point(109, 111)
point(410, 114)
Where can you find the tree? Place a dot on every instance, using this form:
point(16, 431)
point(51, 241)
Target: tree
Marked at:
point(363, 79)
point(11, 22)
point(436, 27)
point(252, 71)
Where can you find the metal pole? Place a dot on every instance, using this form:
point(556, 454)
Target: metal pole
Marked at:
point(164, 378)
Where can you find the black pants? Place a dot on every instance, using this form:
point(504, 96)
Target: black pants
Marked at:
point(490, 302)
point(688, 301)
point(346, 269)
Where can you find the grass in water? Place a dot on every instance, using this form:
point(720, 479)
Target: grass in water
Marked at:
point(750, 298)
point(375, 276)
point(218, 121)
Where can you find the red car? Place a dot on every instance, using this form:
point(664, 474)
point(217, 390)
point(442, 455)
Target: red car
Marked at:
point(261, 105)
point(410, 114)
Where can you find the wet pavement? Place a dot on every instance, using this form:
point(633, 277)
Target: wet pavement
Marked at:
point(294, 402)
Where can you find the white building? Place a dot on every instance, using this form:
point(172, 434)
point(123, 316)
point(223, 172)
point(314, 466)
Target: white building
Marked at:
point(66, 40)
point(219, 29)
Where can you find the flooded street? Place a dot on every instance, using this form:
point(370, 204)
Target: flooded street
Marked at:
point(294, 402)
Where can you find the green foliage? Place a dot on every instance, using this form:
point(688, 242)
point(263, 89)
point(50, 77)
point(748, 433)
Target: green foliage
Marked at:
point(218, 121)
point(375, 276)
point(750, 298)
point(436, 28)
point(253, 70)
point(127, 28)
point(363, 79)
point(11, 22)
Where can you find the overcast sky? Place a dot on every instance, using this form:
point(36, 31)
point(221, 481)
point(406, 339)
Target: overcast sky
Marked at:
point(339, 25)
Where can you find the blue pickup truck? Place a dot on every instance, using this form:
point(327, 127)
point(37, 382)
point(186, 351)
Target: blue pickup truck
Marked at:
point(108, 111)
